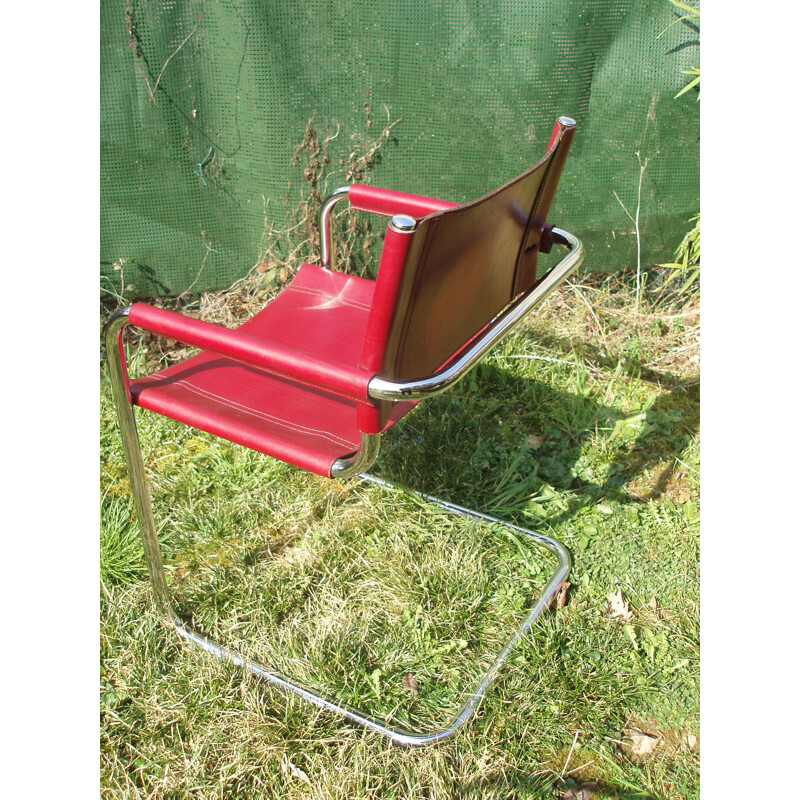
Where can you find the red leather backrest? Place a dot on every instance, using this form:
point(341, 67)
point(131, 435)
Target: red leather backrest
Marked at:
point(458, 270)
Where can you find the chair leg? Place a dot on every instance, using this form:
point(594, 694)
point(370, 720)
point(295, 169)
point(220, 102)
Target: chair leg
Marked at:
point(152, 550)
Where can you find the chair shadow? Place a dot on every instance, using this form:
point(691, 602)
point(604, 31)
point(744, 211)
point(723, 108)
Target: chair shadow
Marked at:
point(472, 445)
point(469, 446)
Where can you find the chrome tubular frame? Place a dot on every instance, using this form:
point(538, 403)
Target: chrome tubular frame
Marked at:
point(360, 461)
point(343, 468)
point(325, 223)
point(133, 459)
point(501, 326)
point(414, 739)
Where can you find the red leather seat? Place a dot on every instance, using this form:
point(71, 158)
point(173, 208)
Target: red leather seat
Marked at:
point(322, 313)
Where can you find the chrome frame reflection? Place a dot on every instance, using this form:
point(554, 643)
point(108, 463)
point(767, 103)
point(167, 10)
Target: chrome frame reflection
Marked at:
point(328, 203)
point(360, 461)
point(344, 468)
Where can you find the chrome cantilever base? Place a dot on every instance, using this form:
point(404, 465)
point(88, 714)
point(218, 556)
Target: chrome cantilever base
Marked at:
point(152, 550)
point(400, 736)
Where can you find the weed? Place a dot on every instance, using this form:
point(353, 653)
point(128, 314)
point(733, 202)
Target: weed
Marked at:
point(686, 267)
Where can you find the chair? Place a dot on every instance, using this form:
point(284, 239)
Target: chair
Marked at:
point(318, 375)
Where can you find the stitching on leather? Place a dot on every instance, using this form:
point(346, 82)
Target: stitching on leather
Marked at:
point(336, 297)
point(422, 265)
point(254, 412)
point(527, 234)
point(293, 378)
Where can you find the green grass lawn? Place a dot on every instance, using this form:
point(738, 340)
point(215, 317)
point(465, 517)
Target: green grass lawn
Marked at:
point(583, 425)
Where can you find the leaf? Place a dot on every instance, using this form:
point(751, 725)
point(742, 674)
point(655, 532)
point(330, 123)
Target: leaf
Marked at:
point(690, 740)
point(688, 86)
point(693, 12)
point(689, 281)
point(410, 684)
point(643, 744)
point(535, 442)
point(583, 792)
point(290, 770)
point(681, 495)
point(375, 678)
point(559, 598)
point(618, 607)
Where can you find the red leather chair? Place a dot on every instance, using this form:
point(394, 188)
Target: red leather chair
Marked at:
point(335, 360)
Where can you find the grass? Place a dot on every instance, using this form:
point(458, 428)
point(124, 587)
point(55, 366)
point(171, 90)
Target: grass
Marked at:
point(584, 424)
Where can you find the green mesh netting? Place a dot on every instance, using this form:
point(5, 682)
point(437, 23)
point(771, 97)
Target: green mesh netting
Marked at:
point(204, 104)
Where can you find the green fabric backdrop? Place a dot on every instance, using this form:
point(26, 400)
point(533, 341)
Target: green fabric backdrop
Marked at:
point(473, 86)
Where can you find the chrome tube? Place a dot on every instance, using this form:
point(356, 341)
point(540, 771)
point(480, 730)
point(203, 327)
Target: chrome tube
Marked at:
point(360, 461)
point(325, 223)
point(501, 326)
point(408, 738)
point(133, 458)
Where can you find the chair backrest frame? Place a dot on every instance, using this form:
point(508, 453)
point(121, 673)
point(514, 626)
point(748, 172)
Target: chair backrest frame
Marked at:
point(440, 285)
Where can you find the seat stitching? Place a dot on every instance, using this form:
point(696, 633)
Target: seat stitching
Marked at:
point(256, 413)
point(240, 406)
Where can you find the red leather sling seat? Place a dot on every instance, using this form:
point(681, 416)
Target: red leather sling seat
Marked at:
point(322, 313)
point(328, 333)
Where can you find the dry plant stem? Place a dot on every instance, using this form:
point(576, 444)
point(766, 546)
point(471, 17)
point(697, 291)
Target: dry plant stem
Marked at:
point(577, 769)
point(635, 222)
point(569, 755)
point(209, 249)
point(152, 90)
point(177, 50)
point(580, 294)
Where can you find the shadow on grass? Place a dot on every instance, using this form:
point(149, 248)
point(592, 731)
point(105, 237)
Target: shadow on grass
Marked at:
point(499, 439)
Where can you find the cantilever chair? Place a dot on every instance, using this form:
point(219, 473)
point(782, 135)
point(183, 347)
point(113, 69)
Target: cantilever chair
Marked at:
point(324, 369)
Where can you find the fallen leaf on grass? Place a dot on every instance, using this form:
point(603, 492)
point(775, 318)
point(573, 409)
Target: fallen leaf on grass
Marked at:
point(410, 684)
point(690, 740)
point(559, 598)
point(618, 607)
point(681, 496)
point(583, 792)
point(290, 770)
point(535, 441)
point(643, 743)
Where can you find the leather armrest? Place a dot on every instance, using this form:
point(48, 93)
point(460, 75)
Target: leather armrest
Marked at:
point(389, 203)
point(340, 379)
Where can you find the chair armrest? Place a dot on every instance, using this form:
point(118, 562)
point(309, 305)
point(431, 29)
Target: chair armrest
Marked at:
point(377, 201)
point(340, 379)
point(463, 361)
point(389, 203)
